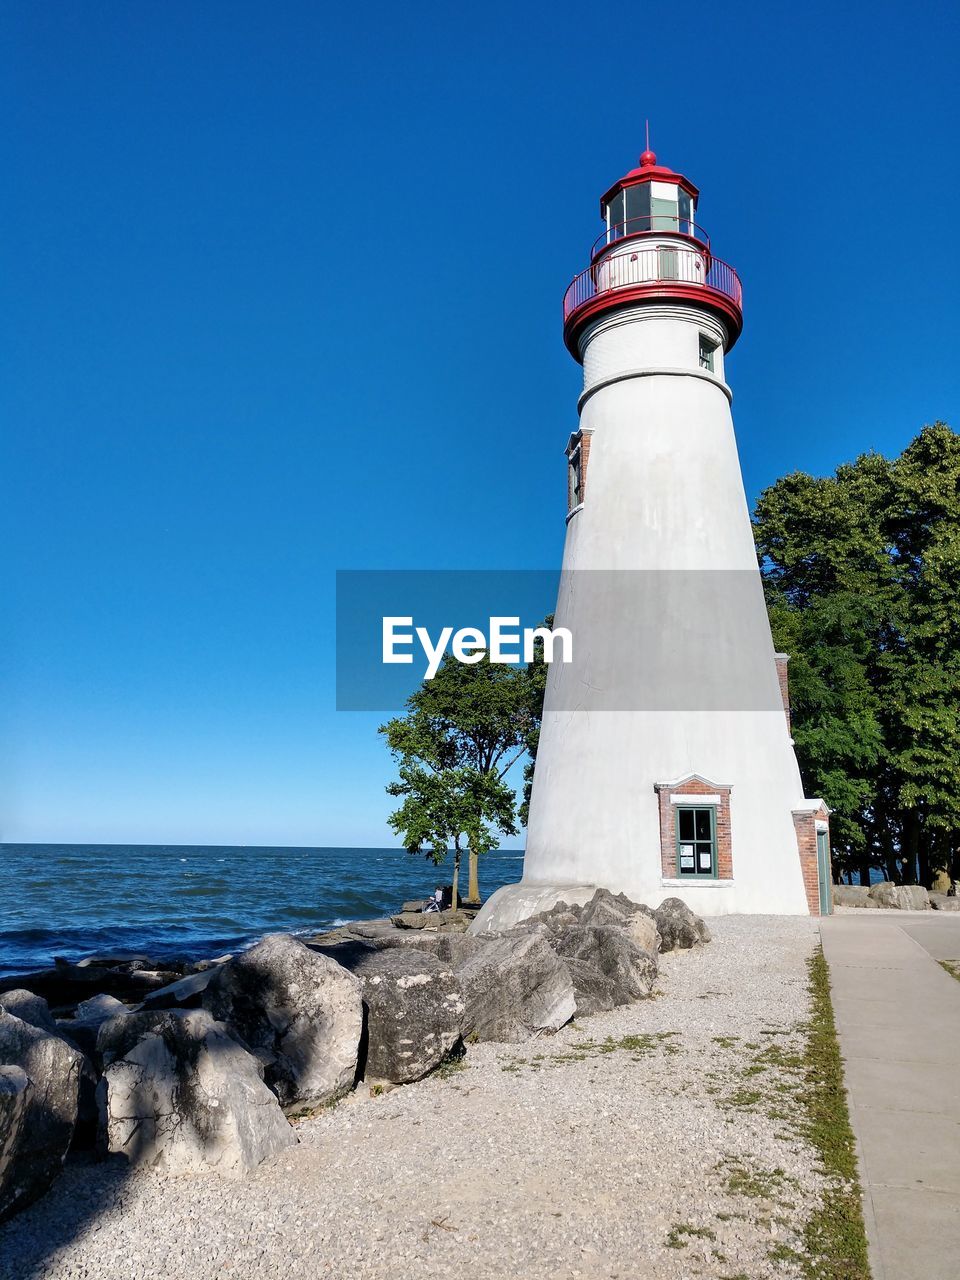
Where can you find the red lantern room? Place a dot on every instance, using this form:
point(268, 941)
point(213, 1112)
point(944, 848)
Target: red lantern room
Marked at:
point(651, 249)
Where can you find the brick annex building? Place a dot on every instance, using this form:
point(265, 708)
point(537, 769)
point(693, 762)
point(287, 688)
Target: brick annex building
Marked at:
point(666, 765)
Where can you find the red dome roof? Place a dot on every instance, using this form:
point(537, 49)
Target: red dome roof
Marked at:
point(648, 171)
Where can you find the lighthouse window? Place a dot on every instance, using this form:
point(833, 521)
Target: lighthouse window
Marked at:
point(707, 353)
point(696, 841)
point(577, 478)
point(638, 208)
point(615, 216)
point(686, 212)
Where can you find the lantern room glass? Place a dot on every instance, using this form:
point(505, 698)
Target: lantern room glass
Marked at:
point(639, 208)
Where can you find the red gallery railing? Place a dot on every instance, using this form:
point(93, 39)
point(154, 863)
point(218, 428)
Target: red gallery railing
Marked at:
point(656, 266)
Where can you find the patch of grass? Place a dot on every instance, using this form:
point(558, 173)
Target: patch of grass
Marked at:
point(681, 1233)
point(952, 967)
point(726, 1042)
point(783, 1253)
point(641, 1046)
point(834, 1236)
point(744, 1099)
point(744, 1177)
point(450, 1067)
point(649, 1043)
point(308, 1113)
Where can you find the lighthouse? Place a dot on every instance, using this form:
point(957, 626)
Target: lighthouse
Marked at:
point(665, 765)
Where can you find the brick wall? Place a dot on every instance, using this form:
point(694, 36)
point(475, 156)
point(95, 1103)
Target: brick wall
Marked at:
point(693, 787)
point(805, 824)
point(579, 447)
point(783, 677)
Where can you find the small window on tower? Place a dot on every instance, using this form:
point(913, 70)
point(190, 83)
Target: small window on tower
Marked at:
point(708, 350)
point(669, 264)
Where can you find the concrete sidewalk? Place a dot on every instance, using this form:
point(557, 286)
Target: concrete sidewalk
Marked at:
point(898, 1019)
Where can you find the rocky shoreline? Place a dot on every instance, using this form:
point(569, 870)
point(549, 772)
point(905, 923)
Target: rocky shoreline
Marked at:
point(660, 1140)
point(204, 1065)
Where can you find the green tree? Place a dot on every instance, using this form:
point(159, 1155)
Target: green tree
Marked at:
point(441, 809)
point(862, 573)
point(462, 733)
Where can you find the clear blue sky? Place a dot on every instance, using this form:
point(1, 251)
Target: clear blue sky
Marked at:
point(280, 295)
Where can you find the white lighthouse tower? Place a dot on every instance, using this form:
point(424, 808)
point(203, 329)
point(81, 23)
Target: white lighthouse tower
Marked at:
point(665, 764)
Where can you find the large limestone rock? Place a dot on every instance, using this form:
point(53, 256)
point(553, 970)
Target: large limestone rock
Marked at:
point(515, 987)
point(884, 894)
point(29, 1008)
point(606, 965)
point(604, 909)
point(14, 1098)
point(912, 897)
point(49, 1117)
point(943, 902)
point(121, 1033)
point(852, 895)
point(84, 1027)
point(301, 1014)
point(900, 897)
point(183, 1094)
point(35, 1010)
point(616, 909)
point(678, 926)
point(414, 1008)
point(449, 920)
point(513, 903)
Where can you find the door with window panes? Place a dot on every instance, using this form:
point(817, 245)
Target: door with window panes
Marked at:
point(823, 873)
point(696, 841)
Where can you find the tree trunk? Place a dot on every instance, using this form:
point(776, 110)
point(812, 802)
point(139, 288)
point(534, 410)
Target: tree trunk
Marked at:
point(865, 872)
point(891, 869)
point(473, 886)
point(456, 872)
point(911, 845)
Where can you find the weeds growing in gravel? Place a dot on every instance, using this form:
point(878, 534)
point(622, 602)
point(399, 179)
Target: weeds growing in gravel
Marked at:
point(450, 1067)
point(807, 1074)
point(681, 1233)
point(834, 1235)
point(640, 1046)
point(309, 1113)
point(744, 1177)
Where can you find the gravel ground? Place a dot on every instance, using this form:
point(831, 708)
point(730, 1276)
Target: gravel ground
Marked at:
point(653, 1141)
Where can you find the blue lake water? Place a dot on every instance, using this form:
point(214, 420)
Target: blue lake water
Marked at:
point(72, 900)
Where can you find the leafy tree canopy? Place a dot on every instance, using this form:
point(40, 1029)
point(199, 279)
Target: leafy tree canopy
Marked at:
point(461, 734)
point(862, 573)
